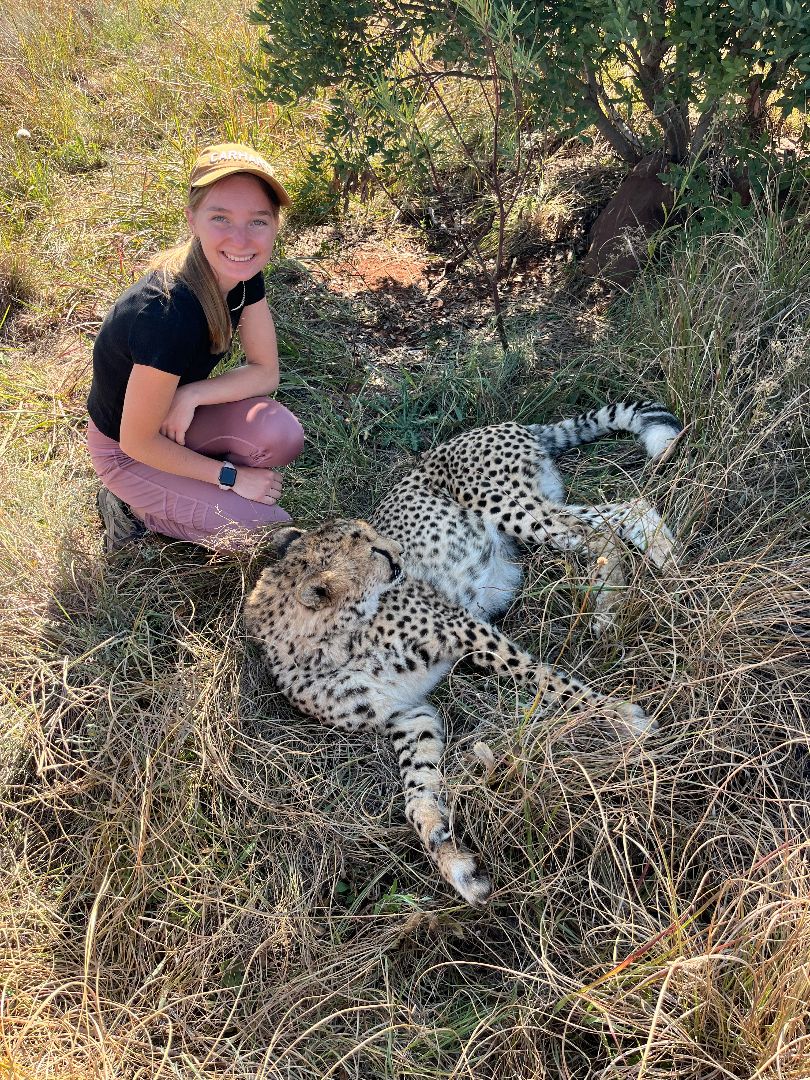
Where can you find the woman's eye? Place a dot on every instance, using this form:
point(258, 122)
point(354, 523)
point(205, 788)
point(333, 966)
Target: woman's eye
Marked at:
point(259, 221)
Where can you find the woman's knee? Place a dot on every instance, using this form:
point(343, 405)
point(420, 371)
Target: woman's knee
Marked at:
point(275, 432)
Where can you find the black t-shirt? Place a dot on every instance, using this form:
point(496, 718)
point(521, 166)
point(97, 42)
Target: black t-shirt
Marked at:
point(170, 333)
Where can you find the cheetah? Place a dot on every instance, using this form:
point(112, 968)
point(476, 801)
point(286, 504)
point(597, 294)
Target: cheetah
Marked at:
point(359, 621)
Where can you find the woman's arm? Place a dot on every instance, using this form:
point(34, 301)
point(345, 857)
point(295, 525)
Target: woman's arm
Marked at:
point(149, 397)
point(257, 333)
point(257, 378)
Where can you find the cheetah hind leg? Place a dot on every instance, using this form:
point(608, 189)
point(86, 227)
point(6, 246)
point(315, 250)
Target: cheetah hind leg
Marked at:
point(636, 522)
point(607, 580)
point(418, 738)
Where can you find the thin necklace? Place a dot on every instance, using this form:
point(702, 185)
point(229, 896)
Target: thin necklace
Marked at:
point(240, 305)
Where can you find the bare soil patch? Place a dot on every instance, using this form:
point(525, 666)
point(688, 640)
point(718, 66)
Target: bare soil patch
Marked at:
point(402, 294)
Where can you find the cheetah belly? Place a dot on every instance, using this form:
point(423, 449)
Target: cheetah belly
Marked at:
point(495, 578)
point(475, 568)
point(549, 481)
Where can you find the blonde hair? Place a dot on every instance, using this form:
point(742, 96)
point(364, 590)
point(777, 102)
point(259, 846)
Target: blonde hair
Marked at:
point(187, 263)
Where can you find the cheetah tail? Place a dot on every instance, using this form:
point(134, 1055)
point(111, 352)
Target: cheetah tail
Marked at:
point(656, 427)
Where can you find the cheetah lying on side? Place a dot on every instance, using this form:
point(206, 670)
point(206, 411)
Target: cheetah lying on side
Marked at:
point(358, 622)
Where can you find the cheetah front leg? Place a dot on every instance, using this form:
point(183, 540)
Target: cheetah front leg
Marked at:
point(418, 737)
point(417, 734)
point(492, 651)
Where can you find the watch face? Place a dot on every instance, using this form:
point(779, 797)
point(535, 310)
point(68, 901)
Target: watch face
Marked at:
point(227, 475)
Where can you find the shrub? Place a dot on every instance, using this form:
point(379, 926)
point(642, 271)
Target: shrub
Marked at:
point(399, 81)
point(624, 65)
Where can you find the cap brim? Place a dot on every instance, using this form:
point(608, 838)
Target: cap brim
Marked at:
point(213, 175)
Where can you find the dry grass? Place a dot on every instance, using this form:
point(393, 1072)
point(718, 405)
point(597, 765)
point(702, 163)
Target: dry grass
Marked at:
point(197, 882)
point(116, 98)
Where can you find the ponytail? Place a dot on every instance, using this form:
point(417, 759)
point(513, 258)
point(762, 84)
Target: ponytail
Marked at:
point(188, 264)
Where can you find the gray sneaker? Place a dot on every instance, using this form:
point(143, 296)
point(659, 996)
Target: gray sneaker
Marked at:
point(121, 526)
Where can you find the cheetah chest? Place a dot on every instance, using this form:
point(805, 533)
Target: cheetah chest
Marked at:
point(402, 652)
point(455, 550)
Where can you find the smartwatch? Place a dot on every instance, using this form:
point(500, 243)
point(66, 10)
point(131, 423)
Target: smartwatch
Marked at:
point(227, 476)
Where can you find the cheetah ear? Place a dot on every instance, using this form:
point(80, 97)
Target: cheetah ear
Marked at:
point(281, 538)
point(319, 590)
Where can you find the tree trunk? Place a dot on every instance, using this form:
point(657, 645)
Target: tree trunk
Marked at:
point(675, 122)
point(623, 142)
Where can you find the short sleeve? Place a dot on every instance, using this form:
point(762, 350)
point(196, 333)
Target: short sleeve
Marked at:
point(169, 332)
point(254, 289)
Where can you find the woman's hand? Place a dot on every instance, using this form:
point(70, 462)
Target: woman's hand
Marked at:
point(258, 485)
point(181, 413)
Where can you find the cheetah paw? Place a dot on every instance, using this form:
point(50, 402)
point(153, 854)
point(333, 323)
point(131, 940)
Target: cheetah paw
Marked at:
point(661, 547)
point(633, 716)
point(461, 870)
point(603, 619)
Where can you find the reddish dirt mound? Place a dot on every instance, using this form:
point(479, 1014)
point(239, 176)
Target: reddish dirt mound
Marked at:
point(370, 269)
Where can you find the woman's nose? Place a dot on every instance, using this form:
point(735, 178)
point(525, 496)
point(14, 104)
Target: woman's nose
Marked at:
point(239, 235)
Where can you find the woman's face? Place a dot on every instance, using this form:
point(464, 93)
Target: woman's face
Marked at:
point(237, 224)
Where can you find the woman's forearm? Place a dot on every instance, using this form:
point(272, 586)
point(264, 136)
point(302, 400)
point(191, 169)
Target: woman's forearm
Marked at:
point(258, 485)
point(251, 380)
point(168, 456)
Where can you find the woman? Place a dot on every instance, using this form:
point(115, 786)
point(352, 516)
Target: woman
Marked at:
point(179, 452)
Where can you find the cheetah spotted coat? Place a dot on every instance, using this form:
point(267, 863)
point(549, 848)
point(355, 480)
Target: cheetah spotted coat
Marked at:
point(358, 621)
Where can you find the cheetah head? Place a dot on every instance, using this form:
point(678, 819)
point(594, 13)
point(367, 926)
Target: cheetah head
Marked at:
point(340, 563)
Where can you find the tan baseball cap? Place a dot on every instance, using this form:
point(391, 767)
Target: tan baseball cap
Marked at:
point(225, 159)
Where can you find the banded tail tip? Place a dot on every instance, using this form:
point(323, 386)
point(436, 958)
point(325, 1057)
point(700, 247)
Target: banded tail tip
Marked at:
point(660, 438)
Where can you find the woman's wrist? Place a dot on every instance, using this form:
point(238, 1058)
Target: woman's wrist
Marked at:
point(190, 393)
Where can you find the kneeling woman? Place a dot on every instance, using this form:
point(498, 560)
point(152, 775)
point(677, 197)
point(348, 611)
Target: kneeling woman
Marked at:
point(178, 452)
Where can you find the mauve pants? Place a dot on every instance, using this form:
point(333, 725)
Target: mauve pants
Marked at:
point(257, 432)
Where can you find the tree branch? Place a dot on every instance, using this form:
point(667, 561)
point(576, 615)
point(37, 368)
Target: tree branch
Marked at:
point(626, 145)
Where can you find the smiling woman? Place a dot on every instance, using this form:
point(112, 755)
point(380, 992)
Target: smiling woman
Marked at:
point(179, 452)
